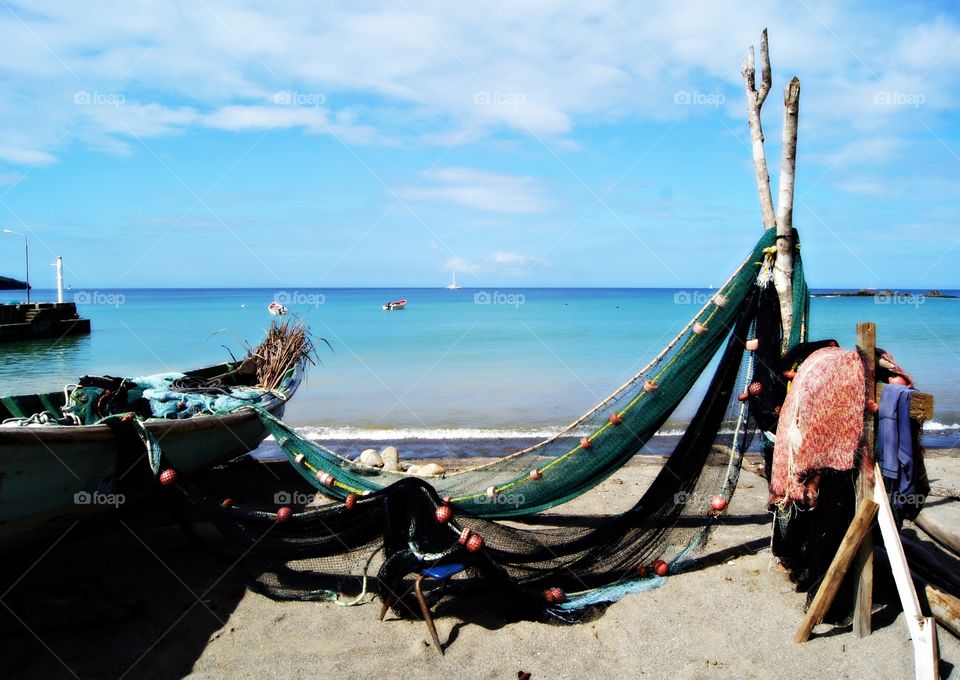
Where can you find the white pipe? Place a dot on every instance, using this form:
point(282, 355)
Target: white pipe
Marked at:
point(59, 279)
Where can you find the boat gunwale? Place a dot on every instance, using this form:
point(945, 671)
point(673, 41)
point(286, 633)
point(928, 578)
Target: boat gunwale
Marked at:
point(159, 427)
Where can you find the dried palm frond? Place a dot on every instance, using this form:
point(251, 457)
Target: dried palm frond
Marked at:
point(287, 344)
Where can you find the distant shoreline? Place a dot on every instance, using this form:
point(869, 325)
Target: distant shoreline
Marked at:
point(885, 293)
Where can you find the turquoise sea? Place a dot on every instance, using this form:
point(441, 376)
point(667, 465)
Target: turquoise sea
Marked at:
point(489, 367)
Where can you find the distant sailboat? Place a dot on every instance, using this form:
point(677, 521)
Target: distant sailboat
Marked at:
point(453, 286)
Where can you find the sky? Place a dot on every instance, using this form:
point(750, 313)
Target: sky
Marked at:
point(538, 143)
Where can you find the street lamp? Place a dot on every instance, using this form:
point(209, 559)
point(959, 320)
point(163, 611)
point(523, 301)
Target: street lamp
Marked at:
point(26, 256)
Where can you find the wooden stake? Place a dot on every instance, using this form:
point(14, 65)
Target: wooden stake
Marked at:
point(861, 525)
point(923, 630)
point(863, 574)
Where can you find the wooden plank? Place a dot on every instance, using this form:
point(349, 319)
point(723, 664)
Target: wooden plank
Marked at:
point(923, 631)
point(863, 575)
point(939, 533)
point(945, 608)
point(921, 403)
point(861, 525)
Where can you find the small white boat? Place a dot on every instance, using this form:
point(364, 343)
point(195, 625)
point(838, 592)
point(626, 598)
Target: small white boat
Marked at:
point(453, 286)
point(276, 309)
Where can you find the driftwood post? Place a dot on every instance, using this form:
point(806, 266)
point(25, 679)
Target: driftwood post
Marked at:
point(782, 221)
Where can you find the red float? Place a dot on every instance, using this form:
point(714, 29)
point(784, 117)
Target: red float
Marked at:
point(643, 570)
point(475, 543)
point(660, 568)
point(756, 387)
point(752, 345)
point(464, 535)
point(536, 474)
point(126, 417)
point(650, 386)
point(168, 476)
point(615, 419)
point(325, 478)
point(873, 406)
point(718, 503)
point(554, 595)
point(789, 375)
point(699, 328)
point(585, 443)
point(226, 502)
point(776, 409)
point(443, 514)
point(284, 513)
point(447, 500)
point(350, 501)
point(743, 397)
point(897, 380)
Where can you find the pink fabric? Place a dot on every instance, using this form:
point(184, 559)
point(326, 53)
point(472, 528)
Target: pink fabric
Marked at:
point(821, 424)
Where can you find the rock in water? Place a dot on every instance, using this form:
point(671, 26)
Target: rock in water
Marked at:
point(391, 459)
point(370, 458)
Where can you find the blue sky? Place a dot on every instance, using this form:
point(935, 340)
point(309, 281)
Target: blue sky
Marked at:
point(210, 143)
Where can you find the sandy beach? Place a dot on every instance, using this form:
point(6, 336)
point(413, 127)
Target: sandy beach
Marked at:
point(731, 616)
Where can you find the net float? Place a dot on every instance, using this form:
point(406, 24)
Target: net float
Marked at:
point(585, 443)
point(554, 595)
point(168, 476)
point(650, 386)
point(350, 501)
point(752, 345)
point(536, 474)
point(789, 375)
point(660, 568)
point(443, 514)
point(474, 543)
point(743, 397)
point(699, 328)
point(718, 503)
point(226, 502)
point(720, 300)
point(299, 459)
point(284, 513)
point(491, 492)
point(325, 478)
point(756, 387)
point(464, 535)
point(776, 409)
point(447, 500)
point(126, 417)
point(615, 419)
point(643, 570)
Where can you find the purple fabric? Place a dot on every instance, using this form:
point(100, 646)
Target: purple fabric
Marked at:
point(896, 455)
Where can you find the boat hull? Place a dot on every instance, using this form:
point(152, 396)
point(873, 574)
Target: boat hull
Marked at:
point(53, 476)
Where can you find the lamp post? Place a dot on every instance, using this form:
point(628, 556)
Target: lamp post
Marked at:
point(26, 256)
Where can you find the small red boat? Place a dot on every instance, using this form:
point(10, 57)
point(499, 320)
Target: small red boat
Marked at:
point(396, 304)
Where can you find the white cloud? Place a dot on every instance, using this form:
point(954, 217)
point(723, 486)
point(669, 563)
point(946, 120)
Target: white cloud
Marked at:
point(489, 191)
point(543, 69)
point(461, 266)
point(19, 156)
point(512, 259)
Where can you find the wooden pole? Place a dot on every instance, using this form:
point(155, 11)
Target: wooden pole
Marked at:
point(861, 525)
point(783, 270)
point(755, 99)
point(863, 574)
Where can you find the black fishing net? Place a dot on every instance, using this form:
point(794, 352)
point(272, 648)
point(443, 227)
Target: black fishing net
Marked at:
point(342, 551)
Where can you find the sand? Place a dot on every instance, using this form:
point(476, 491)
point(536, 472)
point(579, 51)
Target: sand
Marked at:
point(733, 616)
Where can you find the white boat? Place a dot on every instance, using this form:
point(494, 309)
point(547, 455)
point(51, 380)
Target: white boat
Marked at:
point(453, 286)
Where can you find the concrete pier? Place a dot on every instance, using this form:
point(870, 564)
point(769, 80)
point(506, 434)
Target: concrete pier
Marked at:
point(41, 320)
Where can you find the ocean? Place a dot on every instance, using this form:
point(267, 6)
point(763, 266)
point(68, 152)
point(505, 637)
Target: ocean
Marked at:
point(469, 371)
